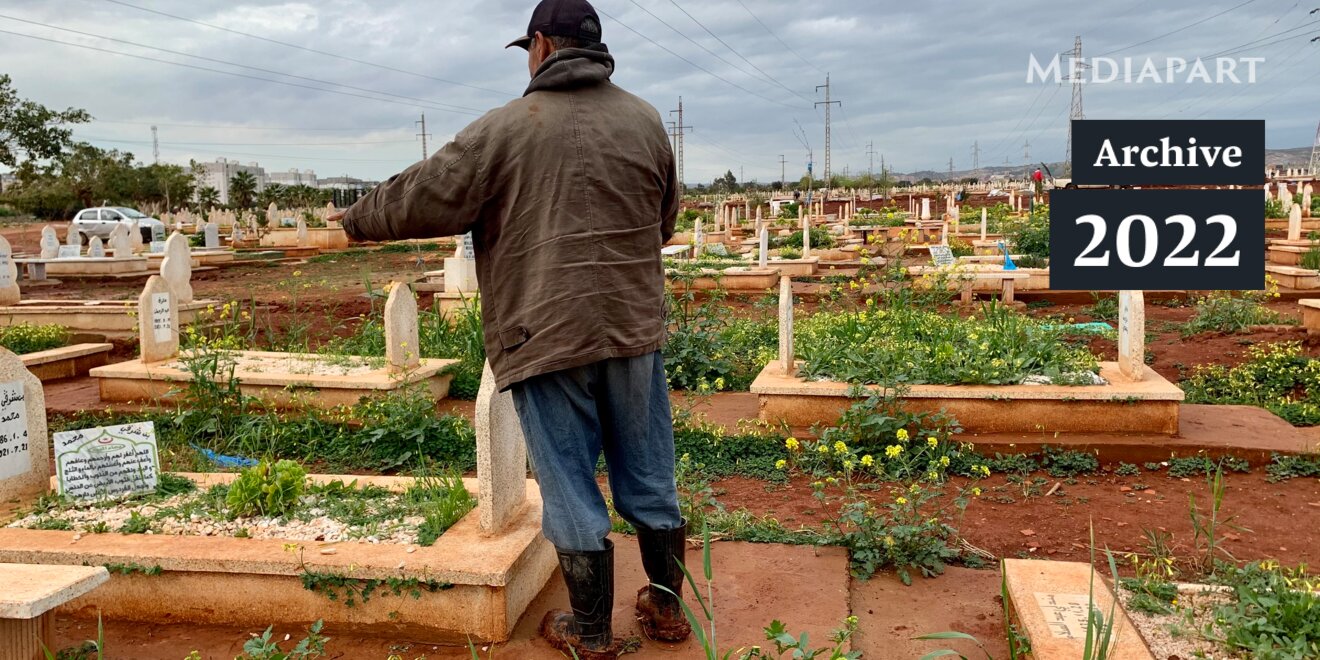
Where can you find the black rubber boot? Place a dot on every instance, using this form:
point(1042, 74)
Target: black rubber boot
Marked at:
point(587, 629)
point(659, 611)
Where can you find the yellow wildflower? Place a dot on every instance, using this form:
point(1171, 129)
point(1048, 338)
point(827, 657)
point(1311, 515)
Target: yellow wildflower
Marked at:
point(901, 501)
point(944, 461)
point(840, 448)
point(932, 442)
point(902, 434)
point(781, 464)
point(823, 449)
point(893, 451)
point(976, 491)
point(791, 444)
point(867, 460)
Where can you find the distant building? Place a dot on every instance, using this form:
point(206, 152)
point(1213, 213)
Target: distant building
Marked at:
point(346, 189)
point(7, 179)
point(293, 177)
point(217, 175)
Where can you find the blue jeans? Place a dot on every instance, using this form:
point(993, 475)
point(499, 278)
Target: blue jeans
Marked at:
point(619, 406)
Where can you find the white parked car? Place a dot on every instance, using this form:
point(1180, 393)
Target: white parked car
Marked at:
point(100, 221)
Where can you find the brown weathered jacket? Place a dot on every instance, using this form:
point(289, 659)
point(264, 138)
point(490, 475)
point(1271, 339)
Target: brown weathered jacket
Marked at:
point(570, 192)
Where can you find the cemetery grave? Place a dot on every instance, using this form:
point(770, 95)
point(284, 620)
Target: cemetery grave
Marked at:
point(984, 432)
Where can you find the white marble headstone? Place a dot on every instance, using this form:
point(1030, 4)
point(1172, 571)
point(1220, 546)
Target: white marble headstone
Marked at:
point(158, 322)
point(501, 457)
point(24, 454)
point(95, 248)
point(176, 268)
point(9, 293)
point(1132, 334)
point(50, 243)
point(401, 329)
point(212, 236)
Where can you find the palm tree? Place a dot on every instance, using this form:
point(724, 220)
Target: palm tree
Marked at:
point(242, 190)
point(208, 198)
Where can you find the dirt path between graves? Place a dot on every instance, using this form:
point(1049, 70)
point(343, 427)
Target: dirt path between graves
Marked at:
point(1284, 518)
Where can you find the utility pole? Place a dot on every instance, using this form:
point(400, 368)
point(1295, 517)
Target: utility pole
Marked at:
point(870, 154)
point(827, 103)
point(155, 146)
point(950, 169)
point(1026, 152)
point(680, 129)
point(976, 155)
point(425, 154)
point(783, 173)
point(1315, 152)
point(1076, 77)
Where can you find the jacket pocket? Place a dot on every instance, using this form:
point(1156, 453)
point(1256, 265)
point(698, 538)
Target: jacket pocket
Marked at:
point(514, 337)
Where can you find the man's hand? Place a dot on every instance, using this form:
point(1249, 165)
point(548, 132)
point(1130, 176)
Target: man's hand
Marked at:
point(337, 216)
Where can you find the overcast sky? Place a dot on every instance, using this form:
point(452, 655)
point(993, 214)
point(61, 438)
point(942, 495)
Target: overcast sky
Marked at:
point(923, 81)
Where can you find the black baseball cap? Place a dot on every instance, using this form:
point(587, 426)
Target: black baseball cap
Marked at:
point(562, 18)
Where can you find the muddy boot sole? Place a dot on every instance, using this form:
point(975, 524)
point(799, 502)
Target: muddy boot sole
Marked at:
point(557, 628)
point(659, 625)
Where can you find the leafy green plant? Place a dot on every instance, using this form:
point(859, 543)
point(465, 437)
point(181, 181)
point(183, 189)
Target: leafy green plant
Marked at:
point(709, 350)
point(1274, 209)
point(1229, 312)
point(1285, 467)
point(27, 338)
point(136, 524)
point(267, 489)
point(1030, 236)
point(1063, 463)
point(1103, 308)
point(895, 344)
point(1275, 612)
point(263, 647)
point(821, 239)
point(1277, 377)
point(443, 500)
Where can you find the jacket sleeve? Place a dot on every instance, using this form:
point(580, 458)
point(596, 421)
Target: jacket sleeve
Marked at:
point(672, 201)
point(440, 196)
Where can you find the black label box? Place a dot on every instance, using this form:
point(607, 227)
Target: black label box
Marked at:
point(1157, 240)
point(1150, 153)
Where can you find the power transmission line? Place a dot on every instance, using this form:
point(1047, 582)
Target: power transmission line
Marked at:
point(740, 55)
point(260, 144)
point(441, 106)
point(680, 129)
point(266, 155)
point(696, 43)
point(310, 50)
point(717, 76)
point(230, 127)
point(229, 73)
point(781, 41)
point(1167, 34)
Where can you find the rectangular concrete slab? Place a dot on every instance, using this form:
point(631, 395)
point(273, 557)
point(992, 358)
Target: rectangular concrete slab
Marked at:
point(32, 590)
point(282, 379)
point(1147, 406)
point(1052, 601)
point(254, 582)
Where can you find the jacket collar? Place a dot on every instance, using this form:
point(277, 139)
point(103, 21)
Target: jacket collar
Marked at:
point(572, 68)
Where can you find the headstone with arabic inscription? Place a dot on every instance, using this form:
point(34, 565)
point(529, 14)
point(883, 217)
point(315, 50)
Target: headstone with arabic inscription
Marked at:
point(107, 462)
point(158, 321)
point(24, 458)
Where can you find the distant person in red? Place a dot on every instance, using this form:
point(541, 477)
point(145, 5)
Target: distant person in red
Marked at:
point(1039, 178)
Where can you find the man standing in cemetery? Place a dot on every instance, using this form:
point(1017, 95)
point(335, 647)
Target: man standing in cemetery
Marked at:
point(569, 192)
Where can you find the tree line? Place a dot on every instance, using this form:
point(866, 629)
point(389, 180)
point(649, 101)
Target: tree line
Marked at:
point(55, 175)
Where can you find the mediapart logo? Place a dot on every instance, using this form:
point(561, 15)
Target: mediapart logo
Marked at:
point(1171, 70)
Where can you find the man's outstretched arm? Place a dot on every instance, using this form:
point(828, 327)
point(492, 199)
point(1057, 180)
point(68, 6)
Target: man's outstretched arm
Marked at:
point(440, 196)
